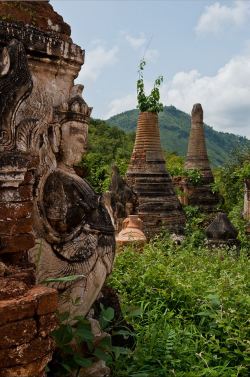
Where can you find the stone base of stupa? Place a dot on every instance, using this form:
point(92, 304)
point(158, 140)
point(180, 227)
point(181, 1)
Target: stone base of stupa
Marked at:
point(158, 206)
point(199, 195)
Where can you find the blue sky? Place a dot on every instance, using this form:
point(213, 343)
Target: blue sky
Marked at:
point(201, 47)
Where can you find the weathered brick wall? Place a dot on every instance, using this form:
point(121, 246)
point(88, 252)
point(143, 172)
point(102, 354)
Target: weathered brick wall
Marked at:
point(27, 312)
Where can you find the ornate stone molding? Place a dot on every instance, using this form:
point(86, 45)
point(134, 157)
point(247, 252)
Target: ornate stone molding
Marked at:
point(38, 41)
point(15, 86)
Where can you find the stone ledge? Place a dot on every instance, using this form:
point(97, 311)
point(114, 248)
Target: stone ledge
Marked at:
point(40, 43)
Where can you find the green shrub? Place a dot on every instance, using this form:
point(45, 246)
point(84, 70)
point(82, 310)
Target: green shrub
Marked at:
point(194, 310)
point(151, 102)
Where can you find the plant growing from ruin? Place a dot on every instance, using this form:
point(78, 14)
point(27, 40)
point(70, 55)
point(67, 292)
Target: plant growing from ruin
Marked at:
point(151, 102)
point(194, 176)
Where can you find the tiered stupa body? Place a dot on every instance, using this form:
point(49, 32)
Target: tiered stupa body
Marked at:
point(158, 205)
point(197, 158)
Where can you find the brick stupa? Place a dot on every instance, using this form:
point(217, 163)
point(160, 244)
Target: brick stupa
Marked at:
point(197, 157)
point(158, 205)
point(200, 194)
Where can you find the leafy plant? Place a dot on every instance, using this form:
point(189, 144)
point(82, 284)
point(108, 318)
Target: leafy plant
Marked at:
point(76, 346)
point(194, 176)
point(194, 302)
point(151, 102)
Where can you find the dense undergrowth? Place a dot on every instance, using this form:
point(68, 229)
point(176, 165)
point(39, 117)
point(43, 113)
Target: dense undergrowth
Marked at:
point(193, 301)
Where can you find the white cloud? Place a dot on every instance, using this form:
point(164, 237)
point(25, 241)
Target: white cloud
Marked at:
point(119, 105)
point(96, 60)
point(217, 17)
point(136, 42)
point(225, 97)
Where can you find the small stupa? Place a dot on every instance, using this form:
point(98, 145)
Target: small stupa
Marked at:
point(158, 205)
point(199, 194)
point(131, 231)
point(221, 232)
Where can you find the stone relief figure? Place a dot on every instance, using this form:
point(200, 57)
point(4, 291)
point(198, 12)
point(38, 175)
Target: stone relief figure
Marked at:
point(75, 235)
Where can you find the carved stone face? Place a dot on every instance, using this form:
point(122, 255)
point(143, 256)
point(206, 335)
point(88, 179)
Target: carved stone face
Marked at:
point(73, 142)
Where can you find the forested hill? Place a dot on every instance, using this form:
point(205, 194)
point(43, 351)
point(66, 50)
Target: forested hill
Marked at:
point(174, 129)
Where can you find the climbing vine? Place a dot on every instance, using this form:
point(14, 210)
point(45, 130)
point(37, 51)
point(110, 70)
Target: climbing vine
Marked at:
point(151, 102)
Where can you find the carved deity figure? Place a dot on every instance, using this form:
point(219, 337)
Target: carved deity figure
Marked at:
point(75, 232)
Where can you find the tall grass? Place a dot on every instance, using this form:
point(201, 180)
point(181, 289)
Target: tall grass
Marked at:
point(194, 309)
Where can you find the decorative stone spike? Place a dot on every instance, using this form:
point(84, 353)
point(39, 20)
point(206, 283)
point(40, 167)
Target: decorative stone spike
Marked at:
point(199, 194)
point(158, 206)
point(221, 231)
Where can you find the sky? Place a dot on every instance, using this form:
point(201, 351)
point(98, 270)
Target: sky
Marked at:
point(201, 47)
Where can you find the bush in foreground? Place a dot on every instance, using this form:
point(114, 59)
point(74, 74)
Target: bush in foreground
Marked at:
point(193, 316)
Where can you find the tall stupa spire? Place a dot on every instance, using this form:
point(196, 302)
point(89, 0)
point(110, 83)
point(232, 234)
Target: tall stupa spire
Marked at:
point(199, 193)
point(158, 205)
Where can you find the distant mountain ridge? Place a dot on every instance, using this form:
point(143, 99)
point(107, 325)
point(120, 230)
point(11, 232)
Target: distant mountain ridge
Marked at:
point(174, 130)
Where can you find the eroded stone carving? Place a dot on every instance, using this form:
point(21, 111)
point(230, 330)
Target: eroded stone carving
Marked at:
point(15, 85)
point(73, 228)
point(52, 123)
point(42, 140)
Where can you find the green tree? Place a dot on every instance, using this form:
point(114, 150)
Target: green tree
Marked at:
point(106, 146)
